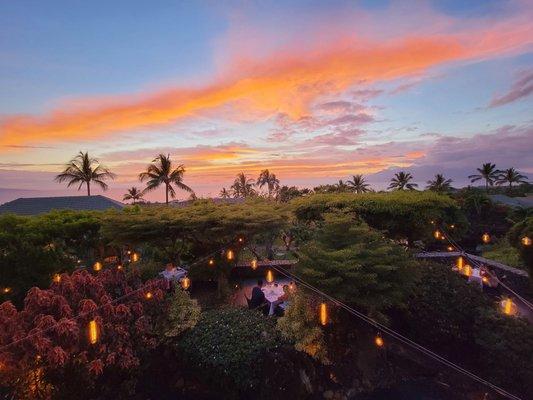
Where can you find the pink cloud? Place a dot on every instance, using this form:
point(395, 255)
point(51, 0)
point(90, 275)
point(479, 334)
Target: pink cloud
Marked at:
point(521, 88)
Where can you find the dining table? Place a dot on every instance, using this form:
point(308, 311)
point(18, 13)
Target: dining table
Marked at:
point(272, 293)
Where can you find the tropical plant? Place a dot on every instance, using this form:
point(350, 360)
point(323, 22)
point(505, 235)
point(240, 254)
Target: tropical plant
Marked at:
point(268, 179)
point(133, 194)
point(488, 172)
point(358, 184)
point(83, 170)
point(401, 181)
point(341, 186)
point(183, 314)
point(163, 172)
point(439, 184)
point(510, 176)
point(224, 193)
point(243, 186)
point(287, 193)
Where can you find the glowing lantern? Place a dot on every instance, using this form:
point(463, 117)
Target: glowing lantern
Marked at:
point(211, 262)
point(460, 263)
point(270, 276)
point(186, 283)
point(378, 340)
point(135, 257)
point(229, 255)
point(437, 235)
point(119, 267)
point(254, 264)
point(148, 295)
point(6, 290)
point(56, 278)
point(323, 314)
point(97, 266)
point(93, 332)
point(508, 307)
point(449, 248)
point(485, 238)
point(526, 241)
point(485, 280)
point(467, 270)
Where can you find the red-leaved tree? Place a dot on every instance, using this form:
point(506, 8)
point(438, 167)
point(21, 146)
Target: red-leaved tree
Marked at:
point(48, 351)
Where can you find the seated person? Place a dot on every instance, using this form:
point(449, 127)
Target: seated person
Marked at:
point(258, 297)
point(280, 303)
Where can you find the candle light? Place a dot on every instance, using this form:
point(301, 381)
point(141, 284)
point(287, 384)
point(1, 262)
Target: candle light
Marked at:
point(97, 266)
point(485, 238)
point(323, 314)
point(93, 332)
point(378, 340)
point(185, 283)
point(526, 241)
point(254, 264)
point(230, 255)
point(269, 276)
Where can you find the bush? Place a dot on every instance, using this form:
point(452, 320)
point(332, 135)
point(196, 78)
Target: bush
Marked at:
point(516, 234)
point(457, 321)
point(183, 314)
point(225, 348)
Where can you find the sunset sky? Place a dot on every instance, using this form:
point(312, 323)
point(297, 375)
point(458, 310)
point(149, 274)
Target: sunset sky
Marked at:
point(313, 91)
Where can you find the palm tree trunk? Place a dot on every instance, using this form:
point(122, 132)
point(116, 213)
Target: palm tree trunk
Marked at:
point(166, 193)
point(88, 188)
point(487, 185)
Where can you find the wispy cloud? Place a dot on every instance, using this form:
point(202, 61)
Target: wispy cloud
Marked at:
point(520, 89)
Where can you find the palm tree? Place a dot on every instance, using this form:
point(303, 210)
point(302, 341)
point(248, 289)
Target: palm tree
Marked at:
point(510, 176)
point(133, 194)
point(358, 184)
point(401, 181)
point(243, 186)
point(488, 172)
point(84, 169)
point(266, 178)
point(224, 193)
point(341, 186)
point(439, 184)
point(160, 172)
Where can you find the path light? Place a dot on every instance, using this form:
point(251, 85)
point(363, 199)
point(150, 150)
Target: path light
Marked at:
point(323, 314)
point(460, 263)
point(378, 340)
point(186, 283)
point(148, 295)
point(211, 262)
point(485, 238)
point(254, 264)
point(508, 307)
point(437, 235)
point(526, 241)
point(56, 278)
point(229, 255)
point(93, 332)
point(270, 276)
point(135, 257)
point(97, 266)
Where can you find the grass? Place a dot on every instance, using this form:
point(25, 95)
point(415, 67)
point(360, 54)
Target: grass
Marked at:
point(504, 253)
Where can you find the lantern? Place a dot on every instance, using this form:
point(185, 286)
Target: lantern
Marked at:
point(119, 267)
point(97, 266)
point(270, 276)
point(93, 332)
point(378, 340)
point(229, 255)
point(449, 248)
point(186, 283)
point(211, 262)
point(485, 280)
point(56, 278)
point(135, 257)
point(437, 235)
point(323, 314)
point(485, 238)
point(508, 307)
point(6, 290)
point(254, 264)
point(460, 263)
point(148, 295)
point(467, 270)
point(526, 241)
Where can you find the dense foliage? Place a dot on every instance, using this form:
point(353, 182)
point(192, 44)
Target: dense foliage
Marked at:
point(456, 320)
point(348, 259)
point(60, 359)
point(226, 347)
point(516, 235)
point(402, 214)
point(33, 249)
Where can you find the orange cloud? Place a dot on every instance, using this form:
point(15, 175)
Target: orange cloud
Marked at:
point(287, 83)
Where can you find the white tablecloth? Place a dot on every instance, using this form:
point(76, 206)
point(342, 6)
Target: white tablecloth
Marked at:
point(272, 293)
point(173, 274)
